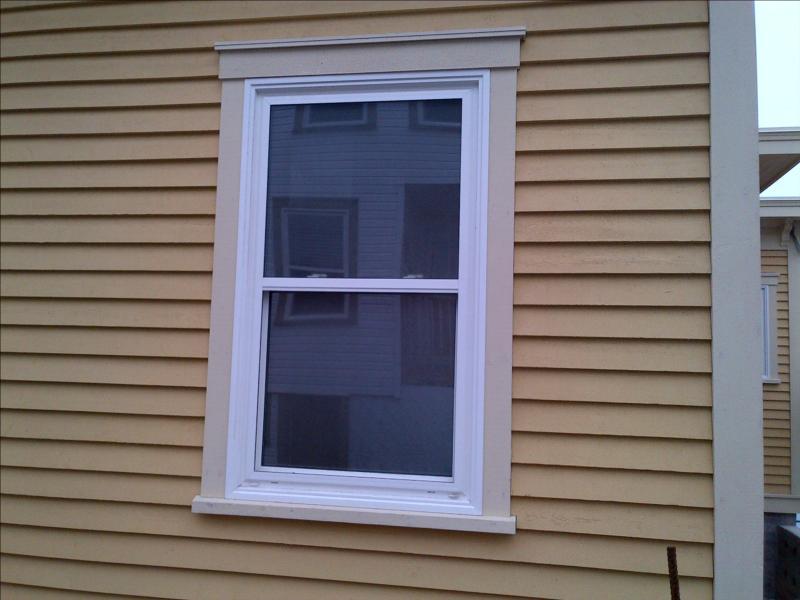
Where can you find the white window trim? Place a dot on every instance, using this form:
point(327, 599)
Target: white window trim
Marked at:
point(460, 494)
point(495, 50)
point(769, 319)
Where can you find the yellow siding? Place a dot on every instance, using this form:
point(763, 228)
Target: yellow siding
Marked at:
point(110, 114)
point(777, 421)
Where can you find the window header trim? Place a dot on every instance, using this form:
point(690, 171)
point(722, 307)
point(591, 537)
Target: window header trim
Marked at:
point(429, 51)
point(517, 32)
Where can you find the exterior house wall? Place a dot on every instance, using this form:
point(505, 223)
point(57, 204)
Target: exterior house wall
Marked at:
point(110, 114)
point(777, 399)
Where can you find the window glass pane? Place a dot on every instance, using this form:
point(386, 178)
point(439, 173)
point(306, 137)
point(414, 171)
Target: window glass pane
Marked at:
point(360, 382)
point(364, 190)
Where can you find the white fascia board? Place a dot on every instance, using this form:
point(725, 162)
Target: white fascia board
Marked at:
point(779, 140)
point(780, 208)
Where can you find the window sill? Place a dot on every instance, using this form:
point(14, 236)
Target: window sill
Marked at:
point(309, 512)
point(770, 380)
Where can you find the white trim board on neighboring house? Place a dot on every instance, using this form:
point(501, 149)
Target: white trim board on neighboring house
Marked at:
point(780, 207)
point(777, 503)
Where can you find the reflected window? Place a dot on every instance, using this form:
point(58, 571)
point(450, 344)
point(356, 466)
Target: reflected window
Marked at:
point(430, 233)
point(314, 238)
point(347, 115)
point(437, 114)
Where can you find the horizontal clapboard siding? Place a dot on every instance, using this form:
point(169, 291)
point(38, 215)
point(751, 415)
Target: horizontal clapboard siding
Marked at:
point(151, 286)
point(146, 202)
point(102, 398)
point(27, 592)
point(119, 257)
point(174, 521)
point(429, 572)
point(104, 313)
point(84, 230)
point(189, 28)
point(113, 121)
point(108, 148)
point(777, 417)
point(109, 117)
point(110, 576)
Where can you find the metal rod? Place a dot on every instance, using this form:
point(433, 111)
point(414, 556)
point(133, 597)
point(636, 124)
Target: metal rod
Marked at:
point(672, 566)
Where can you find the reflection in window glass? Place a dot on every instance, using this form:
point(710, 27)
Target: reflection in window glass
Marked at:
point(441, 113)
point(342, 113)
point(315, 243)
point(373, 393)
point(367, 197)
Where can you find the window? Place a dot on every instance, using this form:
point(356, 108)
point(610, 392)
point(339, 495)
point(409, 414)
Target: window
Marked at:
point(379, 389)
point(358, 369)
point(769, 320)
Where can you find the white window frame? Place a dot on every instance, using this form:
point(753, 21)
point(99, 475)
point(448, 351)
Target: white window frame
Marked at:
point(246, 479)
point(769, 325)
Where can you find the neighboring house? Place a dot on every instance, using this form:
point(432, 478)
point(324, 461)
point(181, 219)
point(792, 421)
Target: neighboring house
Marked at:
point(274, 271)
point(779, 151)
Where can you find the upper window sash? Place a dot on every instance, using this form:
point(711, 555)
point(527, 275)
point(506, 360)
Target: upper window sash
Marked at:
point(263, 94)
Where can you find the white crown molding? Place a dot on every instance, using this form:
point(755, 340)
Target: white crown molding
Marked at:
point(389, 38)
